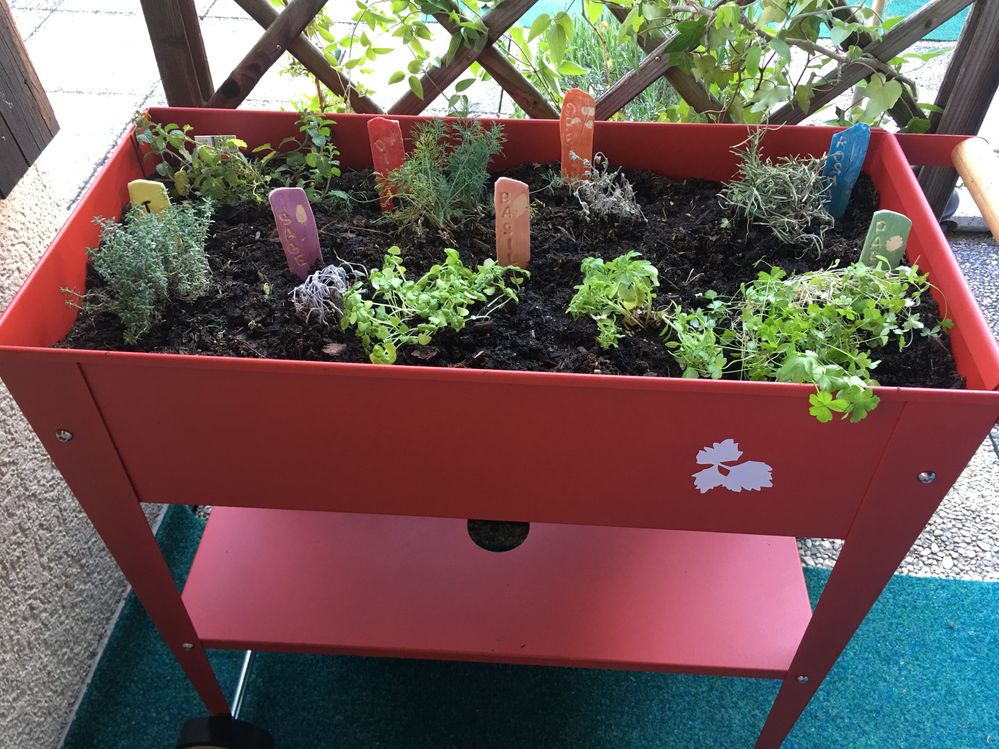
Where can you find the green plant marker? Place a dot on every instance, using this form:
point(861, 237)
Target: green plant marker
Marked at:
point(886, 238)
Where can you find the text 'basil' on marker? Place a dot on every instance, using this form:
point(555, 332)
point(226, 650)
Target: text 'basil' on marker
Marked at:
point(296, 227)
point(513, 222)
point(387, 154)
point(149, 194)
point(576, 130)
point(847, 151)
point(886, 238)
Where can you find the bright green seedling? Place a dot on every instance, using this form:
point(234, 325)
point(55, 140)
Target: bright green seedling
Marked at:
point(820, 327)
point(618, 295)
point(787, 195)
point(147, 261)
point(698, 340)
point(886, 238)
point(389, 310)
point(442, 182)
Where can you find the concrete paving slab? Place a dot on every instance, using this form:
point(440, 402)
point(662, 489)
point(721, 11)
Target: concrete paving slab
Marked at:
point(89, 129)
point(66, 58)
point(28, 21)
point(978, 256)
point(35, 4)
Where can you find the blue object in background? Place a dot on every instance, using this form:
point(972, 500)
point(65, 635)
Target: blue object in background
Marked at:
point(847, 150)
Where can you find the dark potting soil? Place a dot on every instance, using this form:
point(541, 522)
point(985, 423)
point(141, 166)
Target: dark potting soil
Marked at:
point(249, 312)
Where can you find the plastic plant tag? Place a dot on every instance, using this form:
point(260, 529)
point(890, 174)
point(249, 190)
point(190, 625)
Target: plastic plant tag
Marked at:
point(149, 194)
point(576, 130)
point(886, 238)
point(215, 141)
point(296, 229)
point(387, 153)
point(513, 222)
point(847, 151)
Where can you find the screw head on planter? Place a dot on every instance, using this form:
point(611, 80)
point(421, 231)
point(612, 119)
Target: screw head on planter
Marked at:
point(847, 151)
point(513, 222)
point(576, 130)
point(296, 228)
point(886, 238)
point(149, 194)
point(387, 153)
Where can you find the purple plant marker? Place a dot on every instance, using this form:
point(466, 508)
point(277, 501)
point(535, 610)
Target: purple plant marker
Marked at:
point(296, 229)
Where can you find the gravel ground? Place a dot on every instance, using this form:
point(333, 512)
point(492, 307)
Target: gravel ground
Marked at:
point(962, 538)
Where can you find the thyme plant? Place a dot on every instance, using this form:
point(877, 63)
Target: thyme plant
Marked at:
point(441, 183)
point(389, 310)
point(617, 295)
point(787, 195)
point(145, 262)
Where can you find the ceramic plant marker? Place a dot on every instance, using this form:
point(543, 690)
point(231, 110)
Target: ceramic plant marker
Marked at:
point(576, 130)
point(513, 222)
point(296, 229)
point(149, 194)
point(387, 153)
point(847, 151)
point(886, 238)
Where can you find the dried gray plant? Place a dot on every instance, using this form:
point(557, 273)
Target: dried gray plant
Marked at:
point(606, 194)
point(320, 295)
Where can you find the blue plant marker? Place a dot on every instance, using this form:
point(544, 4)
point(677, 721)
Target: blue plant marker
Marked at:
point(846, 156)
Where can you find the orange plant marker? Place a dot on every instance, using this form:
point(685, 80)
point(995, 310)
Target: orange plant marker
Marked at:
point(576, 129)
point(513, 222)
point(387, 153)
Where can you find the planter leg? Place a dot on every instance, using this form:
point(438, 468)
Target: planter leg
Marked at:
point(63, 411)
point(901, 498)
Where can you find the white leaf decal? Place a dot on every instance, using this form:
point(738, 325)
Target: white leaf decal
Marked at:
point(751, 476)
point(719, 452)
point(708, 479)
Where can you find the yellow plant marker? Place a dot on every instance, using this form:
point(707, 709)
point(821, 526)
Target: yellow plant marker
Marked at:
point(148, 194)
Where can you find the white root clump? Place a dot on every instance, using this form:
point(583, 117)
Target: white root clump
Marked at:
point(320, 295)
point(606, 194)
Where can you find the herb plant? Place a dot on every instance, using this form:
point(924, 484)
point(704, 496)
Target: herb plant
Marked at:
point(787, 195)
point(605, 194)
point(220, 172)
point(618, 295)
point(313, 163)
point(147, 261)
point(698, 340)
point(390, 310)
point(320, 295)
point(441, 183)
point(819, 328)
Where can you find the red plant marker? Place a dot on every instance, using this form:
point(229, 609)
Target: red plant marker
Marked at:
point(387, 153)
point(513, 222)
point(576, 129)
point(296, 229)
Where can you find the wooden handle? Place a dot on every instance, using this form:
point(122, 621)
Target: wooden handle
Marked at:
point(978, 166)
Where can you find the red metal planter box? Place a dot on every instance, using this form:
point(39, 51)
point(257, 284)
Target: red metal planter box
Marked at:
point(617, 452)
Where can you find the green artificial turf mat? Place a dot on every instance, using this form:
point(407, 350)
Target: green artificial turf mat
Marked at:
point(920, 673)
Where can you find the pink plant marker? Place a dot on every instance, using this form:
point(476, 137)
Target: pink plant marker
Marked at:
point(576, 129)
point(513, 222)
point(296, 229)
point(387, 153)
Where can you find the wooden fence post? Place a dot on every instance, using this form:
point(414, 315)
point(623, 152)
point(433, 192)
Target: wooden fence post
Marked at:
point(27, 122)
point(179, 50)
point(965, 94)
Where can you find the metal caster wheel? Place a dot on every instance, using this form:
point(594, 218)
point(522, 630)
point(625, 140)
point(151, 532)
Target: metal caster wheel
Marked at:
point(222, 732)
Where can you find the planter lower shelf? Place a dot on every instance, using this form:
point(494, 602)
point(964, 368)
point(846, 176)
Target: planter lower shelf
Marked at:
point(569, 596)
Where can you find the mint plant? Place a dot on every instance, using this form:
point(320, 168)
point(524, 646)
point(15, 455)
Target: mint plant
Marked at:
point(442, 181)
point(389, 310)
point(617, 294)
point(145, 262)
point(788, 195)
point(312, 163)
point(220, 172)
point(819, 328)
